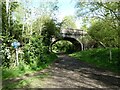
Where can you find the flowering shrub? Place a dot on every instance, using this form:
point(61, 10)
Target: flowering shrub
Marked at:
point(6, 55)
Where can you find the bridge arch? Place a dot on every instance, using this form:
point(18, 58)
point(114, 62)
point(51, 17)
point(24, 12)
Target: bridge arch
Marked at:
point(78, 45)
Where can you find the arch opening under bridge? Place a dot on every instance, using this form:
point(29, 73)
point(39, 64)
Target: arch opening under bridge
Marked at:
point(78, 46)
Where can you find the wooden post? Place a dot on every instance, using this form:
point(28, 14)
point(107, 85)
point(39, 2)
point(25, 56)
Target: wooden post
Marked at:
point(17, 62)
point(110, 54)
point(15, 45)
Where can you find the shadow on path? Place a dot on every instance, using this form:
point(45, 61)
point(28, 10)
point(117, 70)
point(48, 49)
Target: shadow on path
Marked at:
point(67, 72)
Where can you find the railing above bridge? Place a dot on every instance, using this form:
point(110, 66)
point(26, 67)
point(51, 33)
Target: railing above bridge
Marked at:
point(75, 32)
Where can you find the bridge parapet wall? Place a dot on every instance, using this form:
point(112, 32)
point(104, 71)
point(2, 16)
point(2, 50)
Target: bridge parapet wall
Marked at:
point(73, 32)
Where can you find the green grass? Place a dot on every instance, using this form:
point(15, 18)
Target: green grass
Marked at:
point(23, 69)
point(13, 85)
point(100, 58)
point(8, 73)
point(23, 83)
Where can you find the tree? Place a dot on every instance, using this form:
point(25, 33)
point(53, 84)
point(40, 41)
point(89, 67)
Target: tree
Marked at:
point(68, 22)
point(105, 25)
point(103, 33)
point(11, 29)
point(9, 26)
point(101, 13)
point(49, 31)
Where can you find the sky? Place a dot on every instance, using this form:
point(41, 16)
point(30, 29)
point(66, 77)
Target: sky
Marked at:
point(66, 8)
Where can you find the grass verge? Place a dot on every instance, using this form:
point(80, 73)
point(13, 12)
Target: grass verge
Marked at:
point(23, 68)
point(100, 58)
point(13, 73)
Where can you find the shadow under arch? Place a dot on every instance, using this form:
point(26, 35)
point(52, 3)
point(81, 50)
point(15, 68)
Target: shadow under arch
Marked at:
point(78, 45)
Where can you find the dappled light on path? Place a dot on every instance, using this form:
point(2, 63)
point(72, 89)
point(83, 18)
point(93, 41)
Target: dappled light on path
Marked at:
point(67, 72)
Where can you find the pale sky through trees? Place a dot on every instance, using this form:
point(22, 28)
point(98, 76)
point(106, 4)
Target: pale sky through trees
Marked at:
point(66, 8)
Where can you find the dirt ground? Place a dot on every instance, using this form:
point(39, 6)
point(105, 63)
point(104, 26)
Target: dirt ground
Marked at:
point(68, 72)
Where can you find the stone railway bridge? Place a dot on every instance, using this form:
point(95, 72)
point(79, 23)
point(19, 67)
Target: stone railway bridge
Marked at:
point(73, 36)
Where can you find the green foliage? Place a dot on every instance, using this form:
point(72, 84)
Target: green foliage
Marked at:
point(49, 30)
point(14, 72)
point(29, 67)
point(101, 31)
point(100, 58)
point(6, 56)
point(35, 52)
point(68, 22)
point(46, 27)
point(34, 46)
point(22, 69)
point(63, 46)
point(103, 19)
point(11, 29)
point(7, 21)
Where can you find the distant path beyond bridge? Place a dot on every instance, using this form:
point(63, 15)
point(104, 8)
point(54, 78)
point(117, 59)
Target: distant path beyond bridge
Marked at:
point(68, 72)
